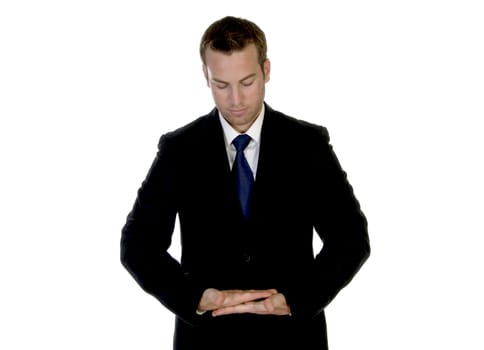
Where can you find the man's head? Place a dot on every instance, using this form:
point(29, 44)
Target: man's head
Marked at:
point(235, 65)
point(231, 34)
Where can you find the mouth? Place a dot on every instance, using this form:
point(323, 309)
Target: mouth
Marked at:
point(238, 112)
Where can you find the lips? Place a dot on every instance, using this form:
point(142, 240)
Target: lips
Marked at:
point(238, 112)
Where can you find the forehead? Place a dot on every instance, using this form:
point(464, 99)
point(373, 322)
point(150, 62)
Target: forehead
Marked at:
point(235, 64)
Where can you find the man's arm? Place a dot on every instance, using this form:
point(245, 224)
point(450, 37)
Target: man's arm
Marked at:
point(342, 226)
point(146, 238)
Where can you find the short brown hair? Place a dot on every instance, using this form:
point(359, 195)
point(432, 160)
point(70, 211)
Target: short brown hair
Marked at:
point(231, 34)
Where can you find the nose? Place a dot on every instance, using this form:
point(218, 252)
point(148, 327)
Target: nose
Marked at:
point(236, 96)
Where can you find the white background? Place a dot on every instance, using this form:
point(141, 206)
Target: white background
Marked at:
point(87, 87)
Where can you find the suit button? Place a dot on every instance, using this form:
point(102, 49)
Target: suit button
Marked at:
point(246, 257)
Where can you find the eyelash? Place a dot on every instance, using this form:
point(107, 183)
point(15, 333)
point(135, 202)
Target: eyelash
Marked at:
point(221, 87)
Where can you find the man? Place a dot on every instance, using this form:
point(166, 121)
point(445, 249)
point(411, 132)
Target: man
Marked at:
point(247, 208)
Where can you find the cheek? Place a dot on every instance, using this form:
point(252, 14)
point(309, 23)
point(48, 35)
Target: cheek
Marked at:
point(218, 95)
point(255, 93)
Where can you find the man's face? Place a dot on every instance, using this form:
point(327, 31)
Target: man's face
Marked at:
point(238, 84)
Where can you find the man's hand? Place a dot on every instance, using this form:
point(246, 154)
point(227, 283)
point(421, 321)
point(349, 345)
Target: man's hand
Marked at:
point(263, 302)
point(213, 299)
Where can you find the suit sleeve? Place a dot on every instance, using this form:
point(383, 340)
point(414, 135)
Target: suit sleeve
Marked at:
point(146, 237)
point(342, 226)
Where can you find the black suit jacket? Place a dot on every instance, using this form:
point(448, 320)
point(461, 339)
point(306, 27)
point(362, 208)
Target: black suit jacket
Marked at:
point(299, 187)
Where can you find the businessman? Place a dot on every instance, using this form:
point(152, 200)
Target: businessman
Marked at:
point(250, 186)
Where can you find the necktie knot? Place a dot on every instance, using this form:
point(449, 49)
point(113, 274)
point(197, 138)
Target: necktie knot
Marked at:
point(241, 142)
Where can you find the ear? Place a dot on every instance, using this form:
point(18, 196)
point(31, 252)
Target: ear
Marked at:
point(267, 70)
point(205, 74)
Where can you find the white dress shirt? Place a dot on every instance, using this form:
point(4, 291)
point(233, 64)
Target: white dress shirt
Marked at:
point(251, 152)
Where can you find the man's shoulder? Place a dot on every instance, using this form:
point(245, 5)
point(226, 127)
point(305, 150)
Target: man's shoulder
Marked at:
point(195, 131)
point(285, 123)
point(202, 123)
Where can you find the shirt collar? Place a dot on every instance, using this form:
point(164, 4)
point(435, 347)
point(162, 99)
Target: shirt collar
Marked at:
point(254, 131)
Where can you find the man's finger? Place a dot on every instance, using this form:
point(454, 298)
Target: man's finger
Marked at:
point(239, 297)
point(250, 307)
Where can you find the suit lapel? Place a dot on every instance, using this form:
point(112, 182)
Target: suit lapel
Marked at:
point(215, 146)
point(268, 146)
point(220, 173)
point(269, 163)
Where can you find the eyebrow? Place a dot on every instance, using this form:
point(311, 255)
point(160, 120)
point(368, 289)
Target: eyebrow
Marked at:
point(215, 80)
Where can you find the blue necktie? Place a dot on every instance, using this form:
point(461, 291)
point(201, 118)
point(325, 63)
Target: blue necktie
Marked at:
point(243, 174)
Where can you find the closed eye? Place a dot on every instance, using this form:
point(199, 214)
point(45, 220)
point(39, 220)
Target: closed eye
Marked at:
point(247, 83)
